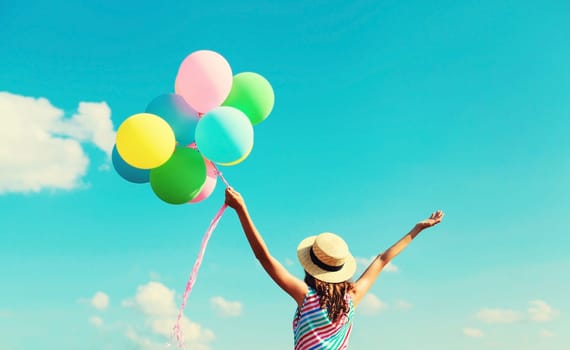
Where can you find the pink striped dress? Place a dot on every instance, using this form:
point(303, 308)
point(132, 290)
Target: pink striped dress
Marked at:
point(313, 330)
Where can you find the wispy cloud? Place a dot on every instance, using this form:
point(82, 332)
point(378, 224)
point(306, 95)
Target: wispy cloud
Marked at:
point(96, 321)
point(363, 263)
point(473, 332)
point(390, 267)
point(546, 333)
point(141, 341)
point(41, 149)
point(225, 307)
point(538, 311)
point(403, 305)
point(489, 315)
point(371, 305)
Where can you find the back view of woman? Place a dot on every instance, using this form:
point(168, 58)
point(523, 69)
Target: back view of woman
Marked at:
point(326, 299)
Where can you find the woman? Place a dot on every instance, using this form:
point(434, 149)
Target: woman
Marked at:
point(325, 299)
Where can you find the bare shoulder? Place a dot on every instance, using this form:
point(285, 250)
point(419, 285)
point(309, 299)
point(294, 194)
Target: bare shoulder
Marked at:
point(352, 291)
point(355, 294)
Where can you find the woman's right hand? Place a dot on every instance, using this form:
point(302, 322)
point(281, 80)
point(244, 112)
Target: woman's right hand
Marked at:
point(234, 199)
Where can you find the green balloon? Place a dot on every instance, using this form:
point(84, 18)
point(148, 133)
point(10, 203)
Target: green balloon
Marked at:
point(181, 178)
point(252, 94)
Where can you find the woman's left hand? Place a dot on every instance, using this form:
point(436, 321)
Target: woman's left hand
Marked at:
point(434, 219)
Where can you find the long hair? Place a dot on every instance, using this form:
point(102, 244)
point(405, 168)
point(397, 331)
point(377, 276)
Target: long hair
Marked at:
point(331, 295)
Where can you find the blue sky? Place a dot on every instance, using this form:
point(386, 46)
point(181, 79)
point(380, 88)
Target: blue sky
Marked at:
point(385, 111)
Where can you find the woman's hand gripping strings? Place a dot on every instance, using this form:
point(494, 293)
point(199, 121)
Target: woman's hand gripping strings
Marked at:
point(363, 284)
point(293, 286)
point(234, 199)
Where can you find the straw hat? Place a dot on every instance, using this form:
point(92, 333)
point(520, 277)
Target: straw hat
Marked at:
point(326, 257)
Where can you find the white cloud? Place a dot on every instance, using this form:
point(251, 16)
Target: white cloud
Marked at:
point(145, 342)
point(363, 263)
point(154, 299)
point(225, 307)
point(488, 315)
point(370, 305)
point(40, 148)
point(403, 305)
point(540, 311)
point(100, 301)
point(192, 331)
point(390, 267)
point(96, 321)
point(289, 262)
point(546, 333)
point(5, 314)
point(92, 123)
point(104, 167)
point(156, 302)
point(472, 332)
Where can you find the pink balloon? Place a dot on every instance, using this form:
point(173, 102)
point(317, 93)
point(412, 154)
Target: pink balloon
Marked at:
point(209, 185)
point(204, 80)
point(211, 179)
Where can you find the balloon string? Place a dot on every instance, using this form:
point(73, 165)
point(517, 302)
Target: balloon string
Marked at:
point(219, 173)
point(177, 330)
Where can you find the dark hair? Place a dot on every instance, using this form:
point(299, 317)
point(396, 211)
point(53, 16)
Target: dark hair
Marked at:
point(331, 295)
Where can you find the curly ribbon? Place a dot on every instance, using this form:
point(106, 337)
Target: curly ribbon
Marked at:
point(177, 329)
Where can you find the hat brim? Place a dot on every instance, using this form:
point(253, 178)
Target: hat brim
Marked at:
point(304, 254)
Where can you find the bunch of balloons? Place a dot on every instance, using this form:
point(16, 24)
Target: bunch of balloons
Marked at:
point(177, 142)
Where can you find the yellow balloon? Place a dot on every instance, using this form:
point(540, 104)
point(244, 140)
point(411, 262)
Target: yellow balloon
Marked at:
point(145, 141)
point(239, 160)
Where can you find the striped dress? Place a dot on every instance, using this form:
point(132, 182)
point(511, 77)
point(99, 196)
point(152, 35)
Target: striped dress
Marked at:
point(313, 329)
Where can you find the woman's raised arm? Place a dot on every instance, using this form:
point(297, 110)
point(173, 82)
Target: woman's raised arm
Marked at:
point(293, 286)
point(367, 279)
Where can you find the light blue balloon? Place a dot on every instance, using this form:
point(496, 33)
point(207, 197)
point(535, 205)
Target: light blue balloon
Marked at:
point(178, 114)
point(128, 172)
point(224, 135)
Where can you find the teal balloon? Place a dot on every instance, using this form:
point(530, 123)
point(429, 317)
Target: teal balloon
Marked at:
point(224, 135)
point(178, 114)
point(128, 172)
point(252, 94)
point(181, 178)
